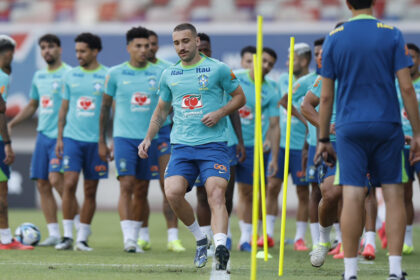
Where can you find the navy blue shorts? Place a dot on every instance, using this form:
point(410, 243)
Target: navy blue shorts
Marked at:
point(44, 160)
point(312, 175)
point(163, 141)
point(245, 170)
point(128, 163)
point(81, 155)
point(375, 148)
point(295, 166)
point(4, 169)
point(233, 159)
point(208, 160)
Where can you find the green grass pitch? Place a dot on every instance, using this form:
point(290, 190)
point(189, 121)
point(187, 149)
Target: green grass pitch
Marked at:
point(108, 261)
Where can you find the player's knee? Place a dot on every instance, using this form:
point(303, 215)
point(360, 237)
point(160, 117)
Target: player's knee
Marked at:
point(54, 179)
point(302, 193)
point(201, 195)
point(217, 198)
point(44, 188)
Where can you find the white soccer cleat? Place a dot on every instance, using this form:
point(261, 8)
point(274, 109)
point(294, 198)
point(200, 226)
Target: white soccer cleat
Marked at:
point(50, 241)
point(130, 246)
point(139, 250)
point(82, 246)
point(319, 254)
point(65, 244)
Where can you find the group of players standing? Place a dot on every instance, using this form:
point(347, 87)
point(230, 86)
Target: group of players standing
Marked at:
point(205, 148)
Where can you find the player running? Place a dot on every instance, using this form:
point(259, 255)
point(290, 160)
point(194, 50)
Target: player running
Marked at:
point(7, 156)
point(45, 166)
point(198, 136)
point(369, 136)
point(78, 135)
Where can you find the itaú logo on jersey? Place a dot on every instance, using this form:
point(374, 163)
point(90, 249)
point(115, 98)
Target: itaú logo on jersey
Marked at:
point(246, 113)
point(192, 101)
point(46, 102)
point(140, 99)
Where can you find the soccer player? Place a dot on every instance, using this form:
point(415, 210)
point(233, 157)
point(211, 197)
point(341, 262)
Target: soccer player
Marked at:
point(196, 86)
point(45, 166)
point(304, 79)
point(247, 57)
point(368, 124)
point(414, 52)
point(163, 152)
point(7, 242)
point(270, 126)
point(78, 136)
point(236, 153)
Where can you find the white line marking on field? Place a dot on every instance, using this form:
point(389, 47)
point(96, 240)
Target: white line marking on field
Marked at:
point(101, 265)
point(219, 274)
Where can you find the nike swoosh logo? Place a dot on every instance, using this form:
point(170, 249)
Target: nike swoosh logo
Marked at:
point(126, 82)
point(75, 85)
point(174, 84)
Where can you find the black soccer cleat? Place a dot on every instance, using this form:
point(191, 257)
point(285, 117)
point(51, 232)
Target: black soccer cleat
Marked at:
point(222, 257)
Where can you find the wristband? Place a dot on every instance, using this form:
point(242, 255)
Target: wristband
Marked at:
point(324, 140)
point(7, 142)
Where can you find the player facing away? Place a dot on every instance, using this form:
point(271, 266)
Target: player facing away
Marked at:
point(369, 136)
point(7, 156)
point(46, 95)
point(270, 126)
point(78, 136)
point(304, 79)
point(414, 52)
point(195, 86)
point(163, 153)
point(133, 86)
point(236, 153)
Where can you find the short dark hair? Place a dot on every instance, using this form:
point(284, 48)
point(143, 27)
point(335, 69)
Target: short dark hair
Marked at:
point(319, 42)
point(50, 38)
point(92, 40)
point(360, 4)
point(137, 32)
point(153, 33)
point(414, 47)
point(186, 26)
point(271, 52)
point(248, 49)
point(7, 43)
point(204, 37)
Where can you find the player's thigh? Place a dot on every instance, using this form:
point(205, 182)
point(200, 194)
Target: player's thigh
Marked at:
point(182, 164)
point(94, 168)
point(40, 158)
point(175, 187)
point(72, 155)
point(245, 170)
point(295, 168)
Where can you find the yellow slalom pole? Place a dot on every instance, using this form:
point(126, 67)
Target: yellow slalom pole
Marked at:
point(255, 197)
point(286, 160)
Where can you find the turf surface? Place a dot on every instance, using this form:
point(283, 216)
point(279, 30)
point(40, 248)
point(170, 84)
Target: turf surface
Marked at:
point(108, 261)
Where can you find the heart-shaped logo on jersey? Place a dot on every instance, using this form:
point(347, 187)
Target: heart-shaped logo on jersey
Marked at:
point(86, 103)
point(192, 101)
point(140, 99)
point(46, 102)
point(245, 113)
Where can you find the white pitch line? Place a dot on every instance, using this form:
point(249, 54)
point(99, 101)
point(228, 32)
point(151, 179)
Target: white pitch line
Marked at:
point(219, 274)
point(100, 265)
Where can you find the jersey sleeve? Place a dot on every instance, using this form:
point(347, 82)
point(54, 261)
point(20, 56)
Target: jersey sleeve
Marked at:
point(110, 83)
point(273, 109)
point(402, 58)
point(316, 87)
point(66, 87)
point(164, 91)
point(33, 93)
point(228, 80)
point(4, 86)
point(327, 61)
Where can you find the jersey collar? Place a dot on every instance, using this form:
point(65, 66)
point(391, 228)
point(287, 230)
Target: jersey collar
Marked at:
point(203, 57)
point(363, 16)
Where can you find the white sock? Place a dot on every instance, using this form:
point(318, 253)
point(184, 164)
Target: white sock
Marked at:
point(300, 230)
point(395, 265)
point(172, 234)
point(350, 267)
point(370, 238)
point(5, 236)
point(76, 220)
point(126, 229)
point(219, 239)
point(207, 231)
point(196, 231)
point(246, 233)
point(271, 222)
point(408, 238)
point(83, 232)
point(68, 228)
point(54, 230)
point(378, 224)
point(338, 232)
point(144, 234)
point(229, 233)
point(315, 233)
point(324, 234)
point(135, 229)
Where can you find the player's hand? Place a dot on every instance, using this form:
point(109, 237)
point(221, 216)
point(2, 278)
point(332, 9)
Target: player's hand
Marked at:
point(10, 155)
point(272, 168)
point(407, 139)
point(111, 151)
point(304, 159)
point(240, 152)
point(332, 128)
point(415, 150)
point(327, 153)
point(143, 148)
point(103, 151)
point(266, 145)
point(211, 119)
point(59, 148)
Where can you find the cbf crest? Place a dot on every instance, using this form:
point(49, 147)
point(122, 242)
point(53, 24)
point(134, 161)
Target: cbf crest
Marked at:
point(97, 88)
point(152, 83)
point(203, 81)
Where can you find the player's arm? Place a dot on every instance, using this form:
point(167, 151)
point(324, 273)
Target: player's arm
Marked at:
point(10, 156)
point(284, 102)
point(61, 123)
point(307, 108)
point(274, 135)
point(107, 104)
point(236, 123)
point(238, 100)
point(25, 114)
point(159, 116)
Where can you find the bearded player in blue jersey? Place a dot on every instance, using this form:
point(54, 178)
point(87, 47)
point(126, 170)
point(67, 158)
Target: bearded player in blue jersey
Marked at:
point(196, 86)
point(78, 136)
point(369, 136)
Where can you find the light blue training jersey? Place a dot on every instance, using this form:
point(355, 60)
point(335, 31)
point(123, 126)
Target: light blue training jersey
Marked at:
point(84, 90)
point(4, 87)
point(269, 106)
point(298, 129)
point(135, 93)
point(163, 64)
point(46, 89)
point(195, 91)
